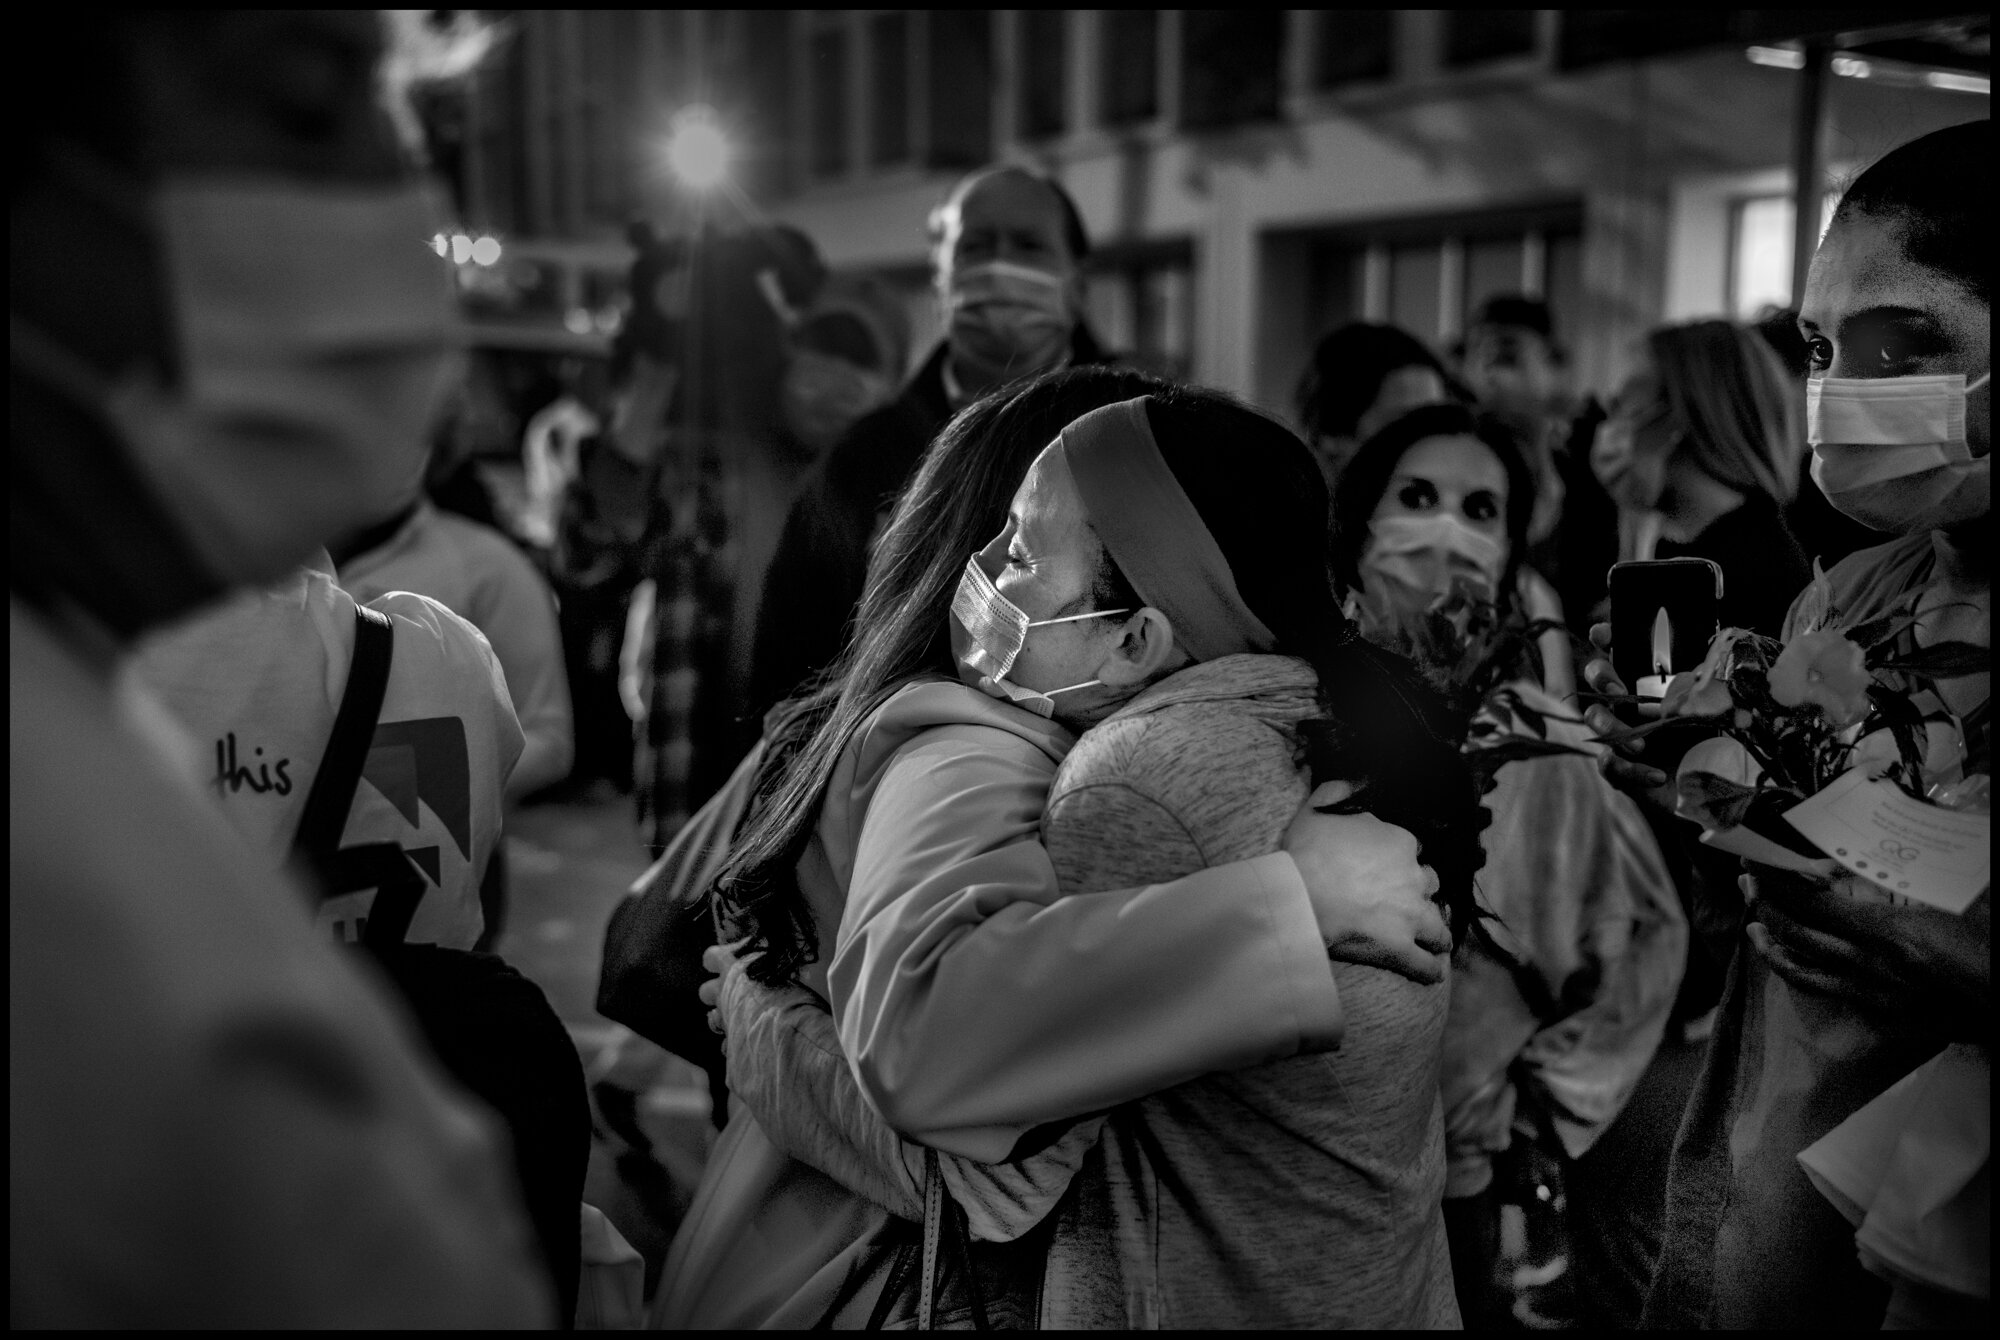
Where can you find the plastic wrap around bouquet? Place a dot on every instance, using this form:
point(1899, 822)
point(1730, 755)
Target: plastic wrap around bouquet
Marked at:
point(1832, 751)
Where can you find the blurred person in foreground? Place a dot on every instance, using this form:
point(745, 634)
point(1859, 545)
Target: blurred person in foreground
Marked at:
point(1553, 1022)
point(1518, 370)
point(1361, 376)
point(1836, 998)
point(227, 337)
point(1700, 454)
point(1007, 250)
point(479, 574)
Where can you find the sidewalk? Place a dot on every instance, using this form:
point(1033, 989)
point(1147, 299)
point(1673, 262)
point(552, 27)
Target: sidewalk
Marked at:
point(569, 862)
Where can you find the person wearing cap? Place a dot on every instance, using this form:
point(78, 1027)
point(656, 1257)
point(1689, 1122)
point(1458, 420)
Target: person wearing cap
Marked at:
point(1305, 1189)
point(1007, 249)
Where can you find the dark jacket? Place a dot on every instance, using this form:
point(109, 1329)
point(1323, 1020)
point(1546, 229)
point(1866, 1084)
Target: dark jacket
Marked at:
point(815, 579)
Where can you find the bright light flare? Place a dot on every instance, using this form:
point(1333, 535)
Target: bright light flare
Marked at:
point(1781, 58)
point(486, 251)
point(697, 151)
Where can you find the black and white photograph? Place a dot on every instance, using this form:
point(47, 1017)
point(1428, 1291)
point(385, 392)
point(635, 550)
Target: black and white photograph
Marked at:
point(984, 670)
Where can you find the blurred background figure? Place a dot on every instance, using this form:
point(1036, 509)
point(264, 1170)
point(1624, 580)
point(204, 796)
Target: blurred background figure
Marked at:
point(1361, 376)
point(1007, 250)
point(844, 357)
point(228, 340)
point(1701, 453)
point(551, 449)
point(1517, 370)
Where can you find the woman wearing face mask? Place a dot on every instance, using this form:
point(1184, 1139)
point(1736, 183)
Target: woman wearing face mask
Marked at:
point(1701, 455)
point(1836, 997)
point(897, 780)
point(1559, 1026)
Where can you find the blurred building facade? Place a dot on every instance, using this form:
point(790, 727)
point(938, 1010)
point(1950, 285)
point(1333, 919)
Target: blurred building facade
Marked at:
point(1251, 178)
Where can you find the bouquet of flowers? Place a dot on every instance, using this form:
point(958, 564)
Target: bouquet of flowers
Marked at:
point(1473, 654)
point(1833, 707)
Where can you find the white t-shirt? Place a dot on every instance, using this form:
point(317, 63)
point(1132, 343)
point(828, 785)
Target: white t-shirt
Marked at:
point(479, 575)
point(256, 682)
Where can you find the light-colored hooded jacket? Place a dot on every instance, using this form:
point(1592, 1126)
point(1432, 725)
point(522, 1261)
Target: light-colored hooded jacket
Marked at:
point(977, 1003)
point(1299, 1192)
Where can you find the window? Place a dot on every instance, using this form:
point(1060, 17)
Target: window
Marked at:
point(1429, 275)
point(1044, 38)
point(1594, 36)
point(827, 54)
point(1231, 66)
point(1354, 45)
point(1475, 36)
point(1131, 57)
point(764, 112)
point(961, 86)
point(1760, 251)
point(889, 109)
point(1141, 304)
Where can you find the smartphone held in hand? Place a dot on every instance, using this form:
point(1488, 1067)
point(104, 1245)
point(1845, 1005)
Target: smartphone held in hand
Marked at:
point(1664, 613)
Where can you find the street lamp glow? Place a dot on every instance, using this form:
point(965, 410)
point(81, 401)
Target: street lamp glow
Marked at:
point(698, 152)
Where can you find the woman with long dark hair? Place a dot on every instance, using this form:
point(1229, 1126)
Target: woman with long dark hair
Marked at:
point(893, 780)
point(1558, 1029)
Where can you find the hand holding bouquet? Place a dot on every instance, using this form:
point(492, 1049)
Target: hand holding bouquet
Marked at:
point(1832, 713)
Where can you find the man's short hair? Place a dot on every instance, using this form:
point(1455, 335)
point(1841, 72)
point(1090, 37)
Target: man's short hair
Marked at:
point(1074, 235)
point(1518, 310)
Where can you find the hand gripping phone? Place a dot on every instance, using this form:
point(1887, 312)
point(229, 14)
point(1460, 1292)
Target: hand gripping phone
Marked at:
point(1664, 613)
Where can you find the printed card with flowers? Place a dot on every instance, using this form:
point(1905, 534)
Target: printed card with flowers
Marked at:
point(1832, 750)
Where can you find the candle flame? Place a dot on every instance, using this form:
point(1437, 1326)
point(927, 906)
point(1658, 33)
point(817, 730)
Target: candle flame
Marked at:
point(1663, 643)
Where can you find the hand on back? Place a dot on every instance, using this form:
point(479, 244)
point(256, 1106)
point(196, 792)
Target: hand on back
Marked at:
point(1372, 899)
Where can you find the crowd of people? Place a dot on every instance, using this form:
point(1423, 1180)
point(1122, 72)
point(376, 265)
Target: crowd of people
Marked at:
point(1126, 907)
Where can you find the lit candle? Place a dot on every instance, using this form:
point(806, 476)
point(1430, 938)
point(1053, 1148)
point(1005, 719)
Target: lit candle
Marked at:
point(1655, 684)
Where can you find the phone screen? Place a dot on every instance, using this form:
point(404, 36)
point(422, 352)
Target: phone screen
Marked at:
point(1664, 614)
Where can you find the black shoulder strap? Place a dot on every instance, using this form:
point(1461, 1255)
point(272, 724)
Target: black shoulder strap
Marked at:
point(339, 773)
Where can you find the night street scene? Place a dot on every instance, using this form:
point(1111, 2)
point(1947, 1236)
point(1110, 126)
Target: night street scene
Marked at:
point(1001, 669)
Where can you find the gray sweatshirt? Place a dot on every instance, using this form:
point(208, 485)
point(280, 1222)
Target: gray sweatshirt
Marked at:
point(1301, 1192)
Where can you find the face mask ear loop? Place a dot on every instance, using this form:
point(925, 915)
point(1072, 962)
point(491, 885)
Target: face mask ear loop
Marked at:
point(1073, 618)
point(1984, 378)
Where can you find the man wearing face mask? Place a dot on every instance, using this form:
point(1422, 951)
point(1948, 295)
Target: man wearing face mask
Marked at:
point(227, 337)
point(1006, 246)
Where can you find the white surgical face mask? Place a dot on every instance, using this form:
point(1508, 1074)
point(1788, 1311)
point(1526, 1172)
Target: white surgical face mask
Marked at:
point(1011, 320)
point(316, 335)
point(1891, 451)
point(989, 632)
point(1417, 557)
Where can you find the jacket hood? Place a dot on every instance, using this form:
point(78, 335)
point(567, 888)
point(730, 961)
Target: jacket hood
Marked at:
point(1281, 690)
point(931, 703)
